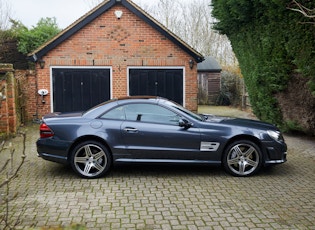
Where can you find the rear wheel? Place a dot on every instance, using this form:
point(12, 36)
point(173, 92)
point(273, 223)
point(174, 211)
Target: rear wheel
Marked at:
point(242, 158)
point(91, 159)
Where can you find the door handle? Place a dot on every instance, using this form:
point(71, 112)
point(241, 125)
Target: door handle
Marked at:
point(130, 130)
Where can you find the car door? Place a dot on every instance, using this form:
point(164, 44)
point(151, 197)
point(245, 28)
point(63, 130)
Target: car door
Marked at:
point(151, 131)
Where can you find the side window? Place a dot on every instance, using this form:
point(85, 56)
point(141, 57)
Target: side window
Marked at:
point(150, 113)
point(117, 113)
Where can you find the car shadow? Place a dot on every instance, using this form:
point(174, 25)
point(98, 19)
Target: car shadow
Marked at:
point(54, 170)
point(154, 170)
point(60, 171)
point(162, 170)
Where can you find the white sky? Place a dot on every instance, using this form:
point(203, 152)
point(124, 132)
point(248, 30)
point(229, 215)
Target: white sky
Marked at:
point(65, 11)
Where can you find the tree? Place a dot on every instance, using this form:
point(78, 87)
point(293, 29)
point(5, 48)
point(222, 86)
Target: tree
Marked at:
point(306, 12)
point(30, 39)
point(92, 3)
point(274, 46)
point(192, 22)
point(5, 14)
point(8, 172)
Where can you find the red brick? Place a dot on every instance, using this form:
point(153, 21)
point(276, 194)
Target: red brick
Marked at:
point(111, 42)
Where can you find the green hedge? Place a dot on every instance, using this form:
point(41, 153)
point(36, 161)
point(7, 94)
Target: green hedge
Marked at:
point(272, 44)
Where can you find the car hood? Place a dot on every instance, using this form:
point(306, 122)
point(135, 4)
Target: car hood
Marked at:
point(249, 123)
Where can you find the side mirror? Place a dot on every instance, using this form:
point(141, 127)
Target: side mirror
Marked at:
point(184, 123)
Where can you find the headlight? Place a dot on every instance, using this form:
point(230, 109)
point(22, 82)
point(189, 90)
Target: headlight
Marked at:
point(276, 135)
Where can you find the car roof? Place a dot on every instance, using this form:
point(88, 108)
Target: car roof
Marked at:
point(152, 99)
point(138, 97)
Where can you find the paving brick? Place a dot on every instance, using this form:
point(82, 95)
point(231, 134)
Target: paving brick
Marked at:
point(166, 197)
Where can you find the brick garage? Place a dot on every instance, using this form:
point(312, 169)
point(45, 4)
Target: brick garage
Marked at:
point(103, 40)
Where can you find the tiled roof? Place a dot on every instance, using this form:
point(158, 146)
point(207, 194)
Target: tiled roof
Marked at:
point(210, 64)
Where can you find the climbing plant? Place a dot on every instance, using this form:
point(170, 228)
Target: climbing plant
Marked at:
point(273, 43)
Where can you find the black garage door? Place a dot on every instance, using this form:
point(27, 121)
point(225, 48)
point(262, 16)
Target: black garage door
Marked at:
point(79, 89)
point(166, 83)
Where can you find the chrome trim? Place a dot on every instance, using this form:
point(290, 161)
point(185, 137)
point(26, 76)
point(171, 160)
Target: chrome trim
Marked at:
point(130, 160)
point(209, 146)
point(275, 161)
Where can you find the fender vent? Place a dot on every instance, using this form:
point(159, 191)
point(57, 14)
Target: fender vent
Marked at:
point(209, 146)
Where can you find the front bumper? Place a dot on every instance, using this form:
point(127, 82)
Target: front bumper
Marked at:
point(276, 152)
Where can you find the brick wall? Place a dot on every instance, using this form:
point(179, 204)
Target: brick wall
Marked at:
point(8, 115)
point(119, 43)
point(17, 98)
point(28, 97)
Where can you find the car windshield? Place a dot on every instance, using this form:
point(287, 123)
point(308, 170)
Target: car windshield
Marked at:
point(186, 111)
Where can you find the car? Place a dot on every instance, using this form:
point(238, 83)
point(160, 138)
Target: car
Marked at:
point(150, 129)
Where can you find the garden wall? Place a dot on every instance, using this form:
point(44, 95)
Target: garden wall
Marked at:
point(8, 115)
point(17, 97)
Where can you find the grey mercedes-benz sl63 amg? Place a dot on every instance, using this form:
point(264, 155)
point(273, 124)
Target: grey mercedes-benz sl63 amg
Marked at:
point(156, 130)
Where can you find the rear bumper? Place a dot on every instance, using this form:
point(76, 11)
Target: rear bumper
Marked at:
point(52, 150)
point(54, 158)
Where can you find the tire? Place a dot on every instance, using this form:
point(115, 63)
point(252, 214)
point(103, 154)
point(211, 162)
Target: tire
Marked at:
point(91, 159)
point(242, 158)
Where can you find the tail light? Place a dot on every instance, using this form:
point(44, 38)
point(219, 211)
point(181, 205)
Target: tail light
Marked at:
point(45, 131)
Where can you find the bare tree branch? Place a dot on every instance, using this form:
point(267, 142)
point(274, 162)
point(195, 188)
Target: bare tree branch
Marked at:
point(5, 14)
point(309, 13)
point(10, 175)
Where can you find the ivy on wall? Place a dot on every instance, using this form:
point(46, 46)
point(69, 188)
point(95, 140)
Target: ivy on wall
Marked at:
point(272, 44)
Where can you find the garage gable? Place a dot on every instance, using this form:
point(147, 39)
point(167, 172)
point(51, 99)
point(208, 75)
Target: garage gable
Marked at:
point(143, 56)
point(37, 54)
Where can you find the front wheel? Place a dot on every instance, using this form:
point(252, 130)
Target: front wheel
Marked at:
point(91, 159)
point(242, 158)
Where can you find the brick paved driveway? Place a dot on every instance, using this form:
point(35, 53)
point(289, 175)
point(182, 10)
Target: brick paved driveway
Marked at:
point(167, 197)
